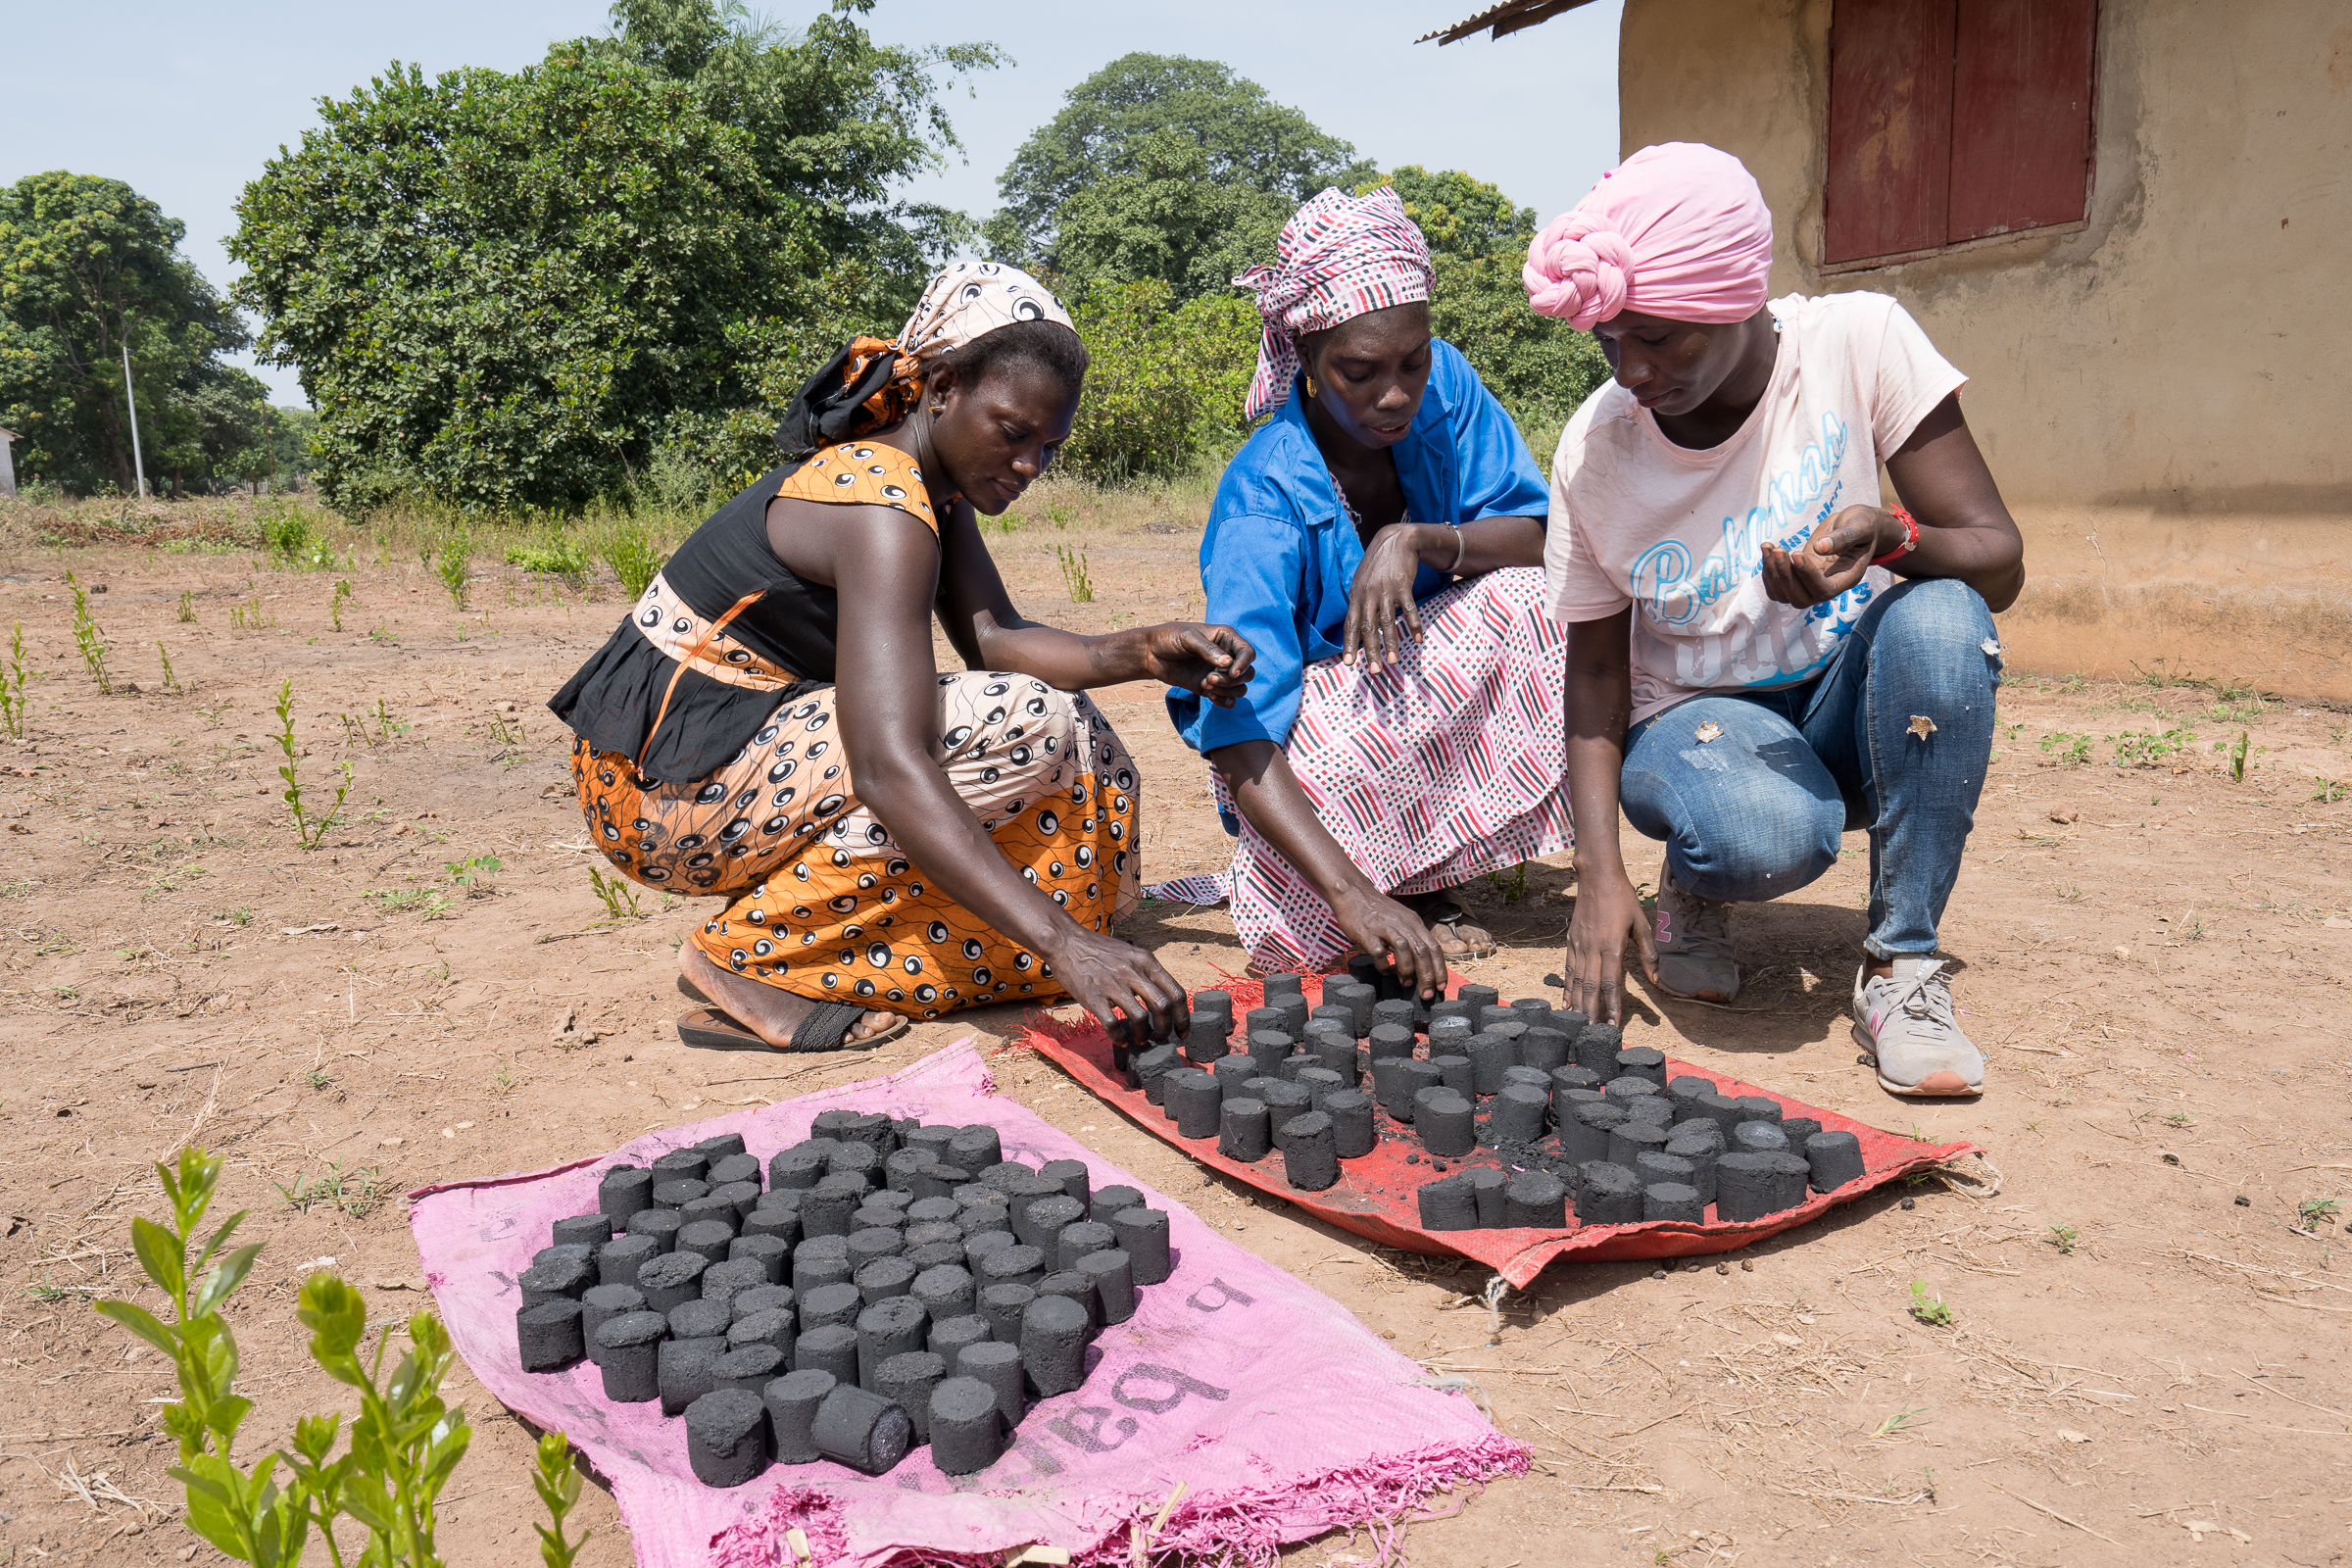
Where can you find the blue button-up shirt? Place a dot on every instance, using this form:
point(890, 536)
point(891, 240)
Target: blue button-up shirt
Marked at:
point(1280, 554)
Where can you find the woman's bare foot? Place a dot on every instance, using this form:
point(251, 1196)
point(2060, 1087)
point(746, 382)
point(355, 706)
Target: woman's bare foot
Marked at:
point(768, 1013)
point(1449, 923)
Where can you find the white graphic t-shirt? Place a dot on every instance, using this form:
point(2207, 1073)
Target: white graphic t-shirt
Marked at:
point(1679, 533)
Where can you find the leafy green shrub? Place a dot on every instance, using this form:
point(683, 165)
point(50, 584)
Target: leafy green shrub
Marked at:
point(628, 548)
point(405, 1442)
point(558, 553)
point(2136, 749)
point(1166, 385)
point(453, 563)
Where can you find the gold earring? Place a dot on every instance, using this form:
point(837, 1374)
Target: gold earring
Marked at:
point(937, 409)
point(1312, 390)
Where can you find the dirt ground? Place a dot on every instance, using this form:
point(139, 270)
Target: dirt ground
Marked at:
point(2147, 1328)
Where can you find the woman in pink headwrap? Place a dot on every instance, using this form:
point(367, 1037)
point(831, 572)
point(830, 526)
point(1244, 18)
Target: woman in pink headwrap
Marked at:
point(1763, 653)
point(1400, 734)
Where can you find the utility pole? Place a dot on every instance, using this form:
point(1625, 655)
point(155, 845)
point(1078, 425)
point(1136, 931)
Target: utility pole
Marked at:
point(136, 458)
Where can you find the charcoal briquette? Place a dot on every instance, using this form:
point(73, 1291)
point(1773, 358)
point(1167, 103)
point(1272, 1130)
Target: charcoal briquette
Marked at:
point(996, 1364)
point(1417, 1075)
point(871, 1242)
point(558, 1279)
point(977, 1216)
point(1642, 1061)
point(1797, 1129)
point(1630, 1137)
point(1585, 1133)
point(1518, 1113)
point(1457, 1074)
point(944, 1291)
point(679, 1165)
point(827, 1208)
point(1445, 1121)
point(949, 1336)
point(795, 1169)
point(1489, 1056)
point(1005, 1175)
point(547, 1334)
point(975, 1148)
point(678, 1191)
point(1336, 1012)
point(1336, 1052)
point(592, 1230)
point(1351, 1130)
point(1150, 1070)
point(1321, 1083)
point(1672, 1201)
point(1282, 1099)
point(1439, 1011)
point(1536, 1198)
point(770, 1252)
point(832, 1348)
point(1607, 1193)
point(1389, 1082)
point(1002, 1306)
point(1448, 1204)
point(820, 1260)
point(624, 1191)
point(1596, 1047)
point(907, 1380)
point(1017, 1264)
point(1486, 1186)
point(1532, 1010)
point(1075, 1241)
point(936, 1180)
point(1832, 1160)
point(761, 1299)
point(1745, 1186)
point(1310, 1155)
point(854, 1160)
point(1389, 1040)
point(884, 1278)
point(1268, 1049)
point(601, 1306)
point(669, 1278)
point(1076, 1286)
point(1685, 1090)
point(1359, 998)
point(1545, 1049)
point(749, 1365)
point(902, 1169)
point(1108, 1201)
point(1759, 1138)
point(683, 1370)
point(792, 1402)
point(1477, 996)
point(861, 1430)
point(1790, 1175)
point(1039, 1222)
point(1244, 1132)
point(967, 1430)
point(1231, 1072)
point(1760, 1107)
point(723, 1279)
point(1655, 1110)
point(1191, 1101)
point(772, 1326)
point(980, 1244)
point(710, 1238)
point(780, 1224)
point(829, 1305)
point(1112, 1275)
point(1144, 1238)
point(718, 1145)
point(700, 1320)
point(629, 1351)
point(716, 1205)
point(1054, 1333)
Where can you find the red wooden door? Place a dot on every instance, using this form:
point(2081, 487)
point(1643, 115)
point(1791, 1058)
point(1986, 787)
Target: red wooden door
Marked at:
point(2021, 114)
point(1890, 128)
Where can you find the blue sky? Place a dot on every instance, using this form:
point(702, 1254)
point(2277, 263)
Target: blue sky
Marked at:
point(186, 102)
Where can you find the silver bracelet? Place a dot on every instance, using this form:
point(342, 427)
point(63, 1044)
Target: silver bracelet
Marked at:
point(1459, 546)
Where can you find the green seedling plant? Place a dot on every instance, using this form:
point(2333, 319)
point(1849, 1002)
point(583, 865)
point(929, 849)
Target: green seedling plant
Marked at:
point(308, 832)
point(334, 602)
point(1926, 1309)
point(405, 1443)
point(558, 1487)
point(2136, 749)
point(2236, 753)
point(2180, 1118)
point(2066, 748)
point(453, 563)
point(2316, 1211)
point(1074, 574)
point(1900, 1421)
point(617, 897)
point(318, 1077)
point(12, 687)
point(1513, 887)
point(347, 1192)
point(427, 901)
point(2063, 1238)
point(89, 638)
point(2329, 792)
point(475, 873)
point(186, 614)
point(171, 680)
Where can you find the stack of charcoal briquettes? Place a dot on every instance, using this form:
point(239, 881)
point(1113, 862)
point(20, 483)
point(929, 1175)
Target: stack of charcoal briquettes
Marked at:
point(887, 1284)
point(1598, 1125)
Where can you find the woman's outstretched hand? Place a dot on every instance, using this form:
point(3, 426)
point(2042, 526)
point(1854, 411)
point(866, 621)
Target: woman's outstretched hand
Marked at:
point(1395, 937)
point(1381, 595)
point(1832, 560)
point(1213, 660)
point(1607, 911)
point(1125, 988)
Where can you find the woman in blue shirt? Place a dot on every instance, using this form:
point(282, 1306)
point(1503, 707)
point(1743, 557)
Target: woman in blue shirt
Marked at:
point(1401, 733)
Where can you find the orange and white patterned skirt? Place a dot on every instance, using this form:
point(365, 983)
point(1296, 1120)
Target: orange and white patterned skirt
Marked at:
point(825, 905)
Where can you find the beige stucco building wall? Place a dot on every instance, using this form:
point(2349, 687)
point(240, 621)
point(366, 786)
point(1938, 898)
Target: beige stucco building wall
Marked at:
point(2163, 395)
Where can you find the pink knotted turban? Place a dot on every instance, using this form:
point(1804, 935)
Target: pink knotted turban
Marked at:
point(1338, 257)
point(1678, 230)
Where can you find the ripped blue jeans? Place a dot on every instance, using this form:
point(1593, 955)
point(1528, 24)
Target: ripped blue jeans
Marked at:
point(1757, 811)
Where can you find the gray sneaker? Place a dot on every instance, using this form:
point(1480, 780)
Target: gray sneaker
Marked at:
point(1695, 943)
point(1905, 1023)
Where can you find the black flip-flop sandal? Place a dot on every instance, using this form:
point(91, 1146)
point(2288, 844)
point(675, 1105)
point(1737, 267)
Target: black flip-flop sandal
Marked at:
point(826, 1028)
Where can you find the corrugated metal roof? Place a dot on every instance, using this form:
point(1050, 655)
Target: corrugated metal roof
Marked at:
point(1503, 19)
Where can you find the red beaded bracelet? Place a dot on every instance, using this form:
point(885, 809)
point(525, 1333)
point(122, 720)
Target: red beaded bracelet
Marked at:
point(1910, 539)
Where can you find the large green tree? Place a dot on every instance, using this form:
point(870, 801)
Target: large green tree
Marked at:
point(507, 290)
point(1129, 141)
point(88, 267)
